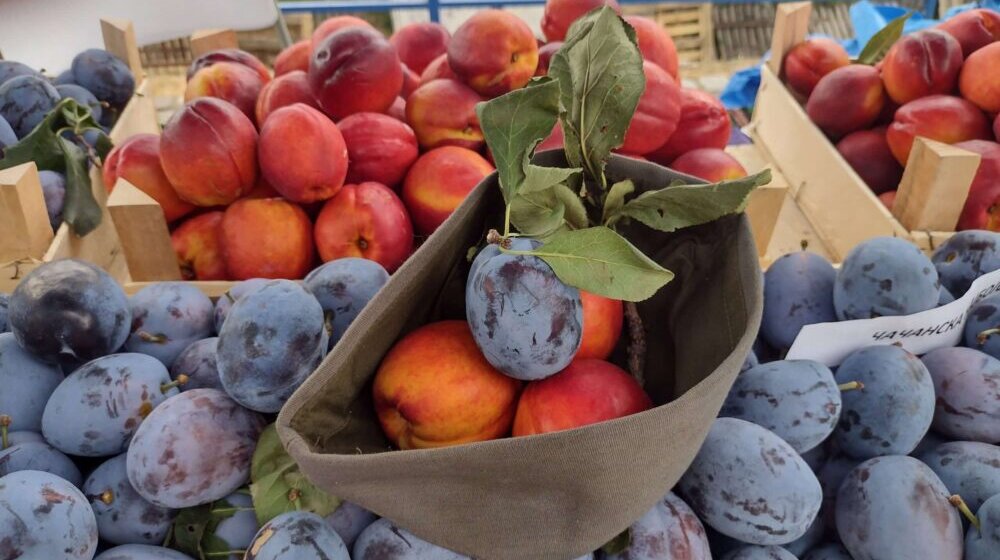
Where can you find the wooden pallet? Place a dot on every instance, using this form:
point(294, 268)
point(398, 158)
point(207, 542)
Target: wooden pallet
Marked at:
point(690, 26)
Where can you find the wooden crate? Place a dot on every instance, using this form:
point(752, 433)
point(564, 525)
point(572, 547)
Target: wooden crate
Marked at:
point(832, 197)
point(26, 239)
point(690, 26)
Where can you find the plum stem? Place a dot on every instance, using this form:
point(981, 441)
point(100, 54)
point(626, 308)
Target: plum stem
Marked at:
point(107, 497)
point(963, 507)
point(150, 337)
point(804, 243)
point(231, 510)
point(851, 386)
point(981, 337)
point(5, 422)
point(637, 342)
point(179, 382)
point(294, 494)
point(223, 554)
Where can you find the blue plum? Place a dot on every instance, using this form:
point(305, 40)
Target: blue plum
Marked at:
point(749, 484)
point(965, 256)
point(166, 318)
point(930, 441)
point(44, 517)
point(896, 508)
point(69, 310)
point(198, 363)
point(830, 477)
point(669, 525)
point(25, 101)
point(798, 291)
point(813, 536)
point(300, 535)
point(22, 436)
point(894, 409)
point(750, 362)
point(97, 409)
point(829, 551)
point(271, 341)
point(7, 136)
point(39, 456)
point(104, 75)
point(141, 552)
point(225, 303)
point(982, 326)
point(4, 302)
point(193, 449)
point(384, 540)
point(885, 276)
point(237, 531)
point(54, 191)
point(967, 387)
point(83, 97)
point(11, 69)
point(796, 399)
point(970, 469)
point(26, 384)
point(343, 287)
point(945, 296)
point(123, 516)
point(348, 520)
point(816, 457)
point(527, 323)
point(752, 552)
point(65, 77)
point(984, 543)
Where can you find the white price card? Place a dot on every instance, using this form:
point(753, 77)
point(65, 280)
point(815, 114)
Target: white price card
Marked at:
point(831, 343)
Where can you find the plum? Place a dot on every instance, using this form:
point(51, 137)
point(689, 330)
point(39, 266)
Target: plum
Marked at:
point(193, 449)
point(829, 551)
point(63, 78)
point(123, 516)
point(25, 101)
point(945, 297)
point(527, 323)
point(885, 276)
point(984, 543)
point(970, 469)
point(812, 537)
point(271, 341)
point(166, 318)
point(893, 410)
point(83, 97)
point(11, 69)
point(25, 385)
point(384, 540)
point(225, 303)
point(750, 362)
point(22, 436)
point(343, 287)
point(749, 484)
point(4, 302)
point(141, 552)
point(54, 191)
point(7, 136)
point(982, 326)
point(832, 475)
point(669, 525)
point(798, 291)
point(39, 456)
point(104, 75)
point(752, 552)
point(70, 311)
point(816, 457)
point(348, 520)
point(198, 363)
point(796, 399)
point(300, 535)
point(45, 517)
point(930, 441)
point(967, 387)
point(965, 256)
point(238, 530)
point(97, 409)
point(896, 508)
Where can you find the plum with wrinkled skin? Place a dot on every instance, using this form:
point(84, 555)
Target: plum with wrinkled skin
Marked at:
point(25, 101)
point(300, 535)
point(965, 256)
point(141, 552)
point(384, 540)
point(970, 469)
point(749, 484)
point(104, 75)
point(225, 303)
point(759, 553)
point(830, 551)
point(44, 517)
point(123, 516)
point(166, 318)
point(343, 287)
point(174, 466)
point(885, 276)
point(984, 543)
point(669, 525)
point(798, 291)
point(894, 409)
point(26, 384)
point(96, 410)
point(896, 508)
point(349, 520)
point(983, 317)
point(199, 363)
point(796, 399)
point(69, 310)
point(525, 320)
point(38, 456)
point(238, 530)
point(83, 97)
point(967, 388)
point(54, 191)
point(271, 341)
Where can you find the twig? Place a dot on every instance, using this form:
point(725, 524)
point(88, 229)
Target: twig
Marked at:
point(637, 343)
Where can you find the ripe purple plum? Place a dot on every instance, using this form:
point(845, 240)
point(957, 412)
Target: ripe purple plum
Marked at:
point(970, 469)
point(752, 552)
point(25, 101)
point(670, 525)
point(11, 69)
point(166, 318)
point(199, 363)
point(343, 287)
point(43, 516)
point(7, 136)
point(348, 520)
point(829, 551)
point(885, 276)
point(982, 326)
point(26, 384)
point(238, 530)
point(54, 191)
point(798, 291)
point(983, 543)
point(123, 516)
point(104, 75)
point(82, 96)
point(965, 256)
point(4, 302)
point(225, 303)
point(384, 539)
point(38, 456)
point(141, 552)
point(967, 387)
point(300, 535)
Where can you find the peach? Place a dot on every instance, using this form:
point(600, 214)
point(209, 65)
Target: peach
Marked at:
point(868, 153)
point(379, 147)
point(295, 57)
point(545, 54)
point(334, 24)
point(847, 99)
point(366, 220)
point(443, 113)
point(973, 29)
point(198, 244)
point(137, 160)
point(228, 81)
point(411, 82)
point(229, 55)
point(602, 326)
point(434, 388)
point(586, 392)
point(888, 199)
point(302, 175)
point(704, 123)
point(286, 89)
point(266, 238)
point(438, 182)
point(209, 152)
point(980, 78)
point(493, 52)
point(943, 118)
point(417, 44)
point(559, 15)
point(921, 64)
point(709, 164)
point(655, 43)
point(398, 110)
point(355, 70)
point(554, 141)
point(438, 69)
point(657, 115)
point(806, 63)
point(982, 207)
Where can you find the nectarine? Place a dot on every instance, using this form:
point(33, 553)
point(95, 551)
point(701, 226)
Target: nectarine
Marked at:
point(806, 63)
point(302, 175)
point(137, 160)
point(198, 244)
point(493, 52)
point(380, 148)
point(656, 117)
point(417, 44)
point(438, 183)
point(366, 220)
point(266, 238)
point(602, 326)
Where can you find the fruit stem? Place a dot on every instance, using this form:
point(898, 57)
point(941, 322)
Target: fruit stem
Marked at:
point(231, 510)
point(981, 337)
point(637, 343)
point(963, 507)
point(294, 494)
point(149, 337)
point(506, 221)
point(225, 553)
point(4, 425)
point(107, 497)
point(851, 386)
point(181, 380)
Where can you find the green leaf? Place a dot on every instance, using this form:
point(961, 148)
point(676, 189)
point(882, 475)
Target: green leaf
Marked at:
point(881, 42)
point(539, 178)
point(104, 145)
point(616, 199)
point(189, 529)
point(600, 75)
point(600, 261)
point(80, 209)
point(541, 214)
point(680, 206)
